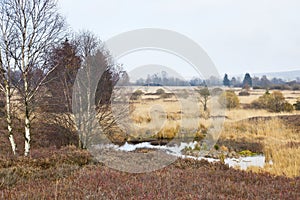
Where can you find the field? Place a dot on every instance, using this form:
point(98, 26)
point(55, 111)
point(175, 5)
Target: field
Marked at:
point(259, 131)
point(176, 114)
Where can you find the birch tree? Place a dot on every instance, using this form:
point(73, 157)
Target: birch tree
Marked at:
point(93, 89)
point(94, 62)
point(35, 26)
point(6, 65)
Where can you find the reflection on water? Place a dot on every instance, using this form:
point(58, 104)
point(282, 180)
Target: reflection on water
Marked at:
point(245, 162)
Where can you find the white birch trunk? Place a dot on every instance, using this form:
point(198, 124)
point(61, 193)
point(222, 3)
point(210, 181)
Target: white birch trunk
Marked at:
point(27, 136)
point(8, 119)
point(13, 144)
point(27, 115)
point(88, 124)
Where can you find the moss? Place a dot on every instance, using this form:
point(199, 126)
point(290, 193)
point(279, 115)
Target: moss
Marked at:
point(247, 153)
point(197, 147)
point(216, 147)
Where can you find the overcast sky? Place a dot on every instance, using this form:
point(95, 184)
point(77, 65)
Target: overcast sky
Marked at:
point(239, 36)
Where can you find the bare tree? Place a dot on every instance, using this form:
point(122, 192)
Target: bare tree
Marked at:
point(204, 96)
point(6, 65)
point(94, 86)
point(35, 26)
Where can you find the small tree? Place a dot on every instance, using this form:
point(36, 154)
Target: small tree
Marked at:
point(229, 100)
point(204, 96)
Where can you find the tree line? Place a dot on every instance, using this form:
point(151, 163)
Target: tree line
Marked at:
point(261, 83)
point(163, 78)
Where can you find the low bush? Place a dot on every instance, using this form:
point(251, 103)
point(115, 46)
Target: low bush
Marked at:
point(201, 133)
point(244, 93)
point(136, 94)
point(160, 91)
point(297, 104)
point(288, 107)
point(274, 102)
point(216, 147)
point(229, 100)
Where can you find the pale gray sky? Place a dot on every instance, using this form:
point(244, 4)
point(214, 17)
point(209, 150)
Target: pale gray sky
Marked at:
point(239, 35)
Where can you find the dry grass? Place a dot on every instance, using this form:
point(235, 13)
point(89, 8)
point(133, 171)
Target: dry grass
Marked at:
point(291, 96)
point(275, 137)
point(164, 118)
point(240, 114)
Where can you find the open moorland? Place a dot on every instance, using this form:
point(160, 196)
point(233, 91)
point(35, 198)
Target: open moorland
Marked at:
point(57, 169)
point(144, 114)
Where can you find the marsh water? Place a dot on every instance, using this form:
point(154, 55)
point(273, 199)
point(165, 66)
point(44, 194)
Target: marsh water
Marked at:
point(177, 149)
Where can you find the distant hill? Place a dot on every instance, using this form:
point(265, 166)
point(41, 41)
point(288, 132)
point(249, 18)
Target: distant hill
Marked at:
point(285, 75)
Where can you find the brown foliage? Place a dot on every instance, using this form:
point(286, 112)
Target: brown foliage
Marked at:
point(184, 179)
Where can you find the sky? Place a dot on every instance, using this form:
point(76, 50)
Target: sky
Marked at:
point(239, 36)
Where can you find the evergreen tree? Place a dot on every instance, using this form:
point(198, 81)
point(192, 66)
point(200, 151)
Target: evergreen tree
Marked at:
point(226, 81)
point(60, 81)
point(247, 80)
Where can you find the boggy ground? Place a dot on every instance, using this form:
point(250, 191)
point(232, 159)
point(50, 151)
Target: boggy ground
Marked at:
point(70, 173)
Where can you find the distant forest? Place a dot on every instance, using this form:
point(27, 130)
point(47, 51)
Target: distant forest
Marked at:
point(255, 82)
